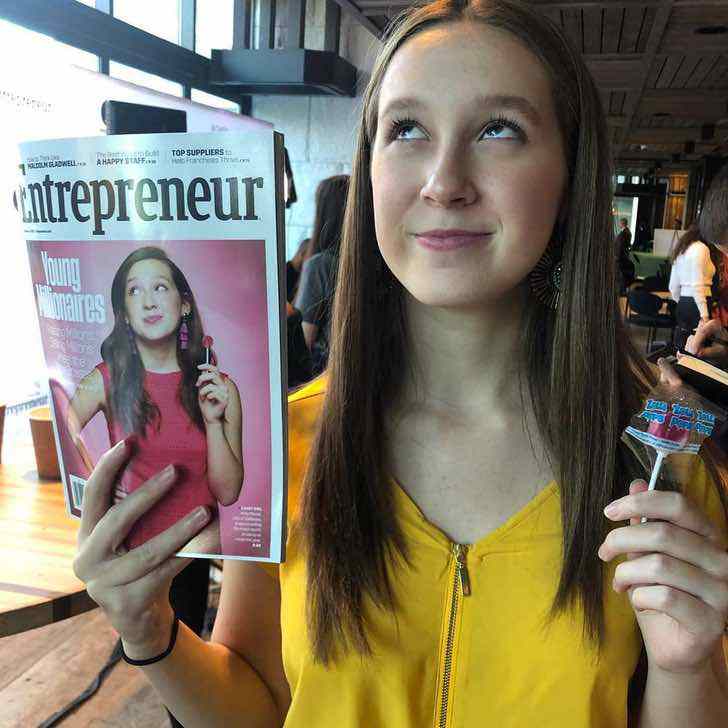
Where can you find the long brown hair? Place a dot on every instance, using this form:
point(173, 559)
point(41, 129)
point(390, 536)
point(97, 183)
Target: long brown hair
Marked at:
point(578, 361)
point(714, 213)
point(131, 406)
point(691, 235)
point(329, 219)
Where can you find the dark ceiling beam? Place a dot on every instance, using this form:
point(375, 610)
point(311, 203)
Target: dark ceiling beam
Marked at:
point(659, 25)
point(662, 135)
point(354, 10)
point(84, 27)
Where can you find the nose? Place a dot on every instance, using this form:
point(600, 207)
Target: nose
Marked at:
point(148, 300)
point(450, 183)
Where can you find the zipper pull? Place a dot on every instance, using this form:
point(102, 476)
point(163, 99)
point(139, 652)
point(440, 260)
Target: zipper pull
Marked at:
point(460, 556)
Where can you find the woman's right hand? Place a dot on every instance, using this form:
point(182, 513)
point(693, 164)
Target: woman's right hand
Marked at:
point(132, 587)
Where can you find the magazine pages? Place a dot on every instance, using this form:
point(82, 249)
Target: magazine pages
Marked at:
point(155, 263)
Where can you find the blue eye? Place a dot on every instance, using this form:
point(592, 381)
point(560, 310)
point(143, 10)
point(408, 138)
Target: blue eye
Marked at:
point(494, 126)
point(398, 126)
point(503, 123)
point(161, 286)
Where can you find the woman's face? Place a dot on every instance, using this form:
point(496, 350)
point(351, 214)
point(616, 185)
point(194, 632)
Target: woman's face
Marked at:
point(467, 140)
point(153, 304)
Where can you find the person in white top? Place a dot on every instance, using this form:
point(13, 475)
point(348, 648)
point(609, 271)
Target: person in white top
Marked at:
point(691, 278)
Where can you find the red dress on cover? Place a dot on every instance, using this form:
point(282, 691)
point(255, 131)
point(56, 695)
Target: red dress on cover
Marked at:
point(176, 440)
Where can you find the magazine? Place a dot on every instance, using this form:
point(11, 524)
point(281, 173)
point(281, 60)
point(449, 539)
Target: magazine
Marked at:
point(155, 261)
point(709, 380)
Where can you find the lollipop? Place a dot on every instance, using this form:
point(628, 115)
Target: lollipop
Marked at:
point(207, 343)
point(672, 426)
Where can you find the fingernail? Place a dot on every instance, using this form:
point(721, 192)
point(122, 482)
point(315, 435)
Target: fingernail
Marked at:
point(167, 475)
point(611, 510)
point(200, 515)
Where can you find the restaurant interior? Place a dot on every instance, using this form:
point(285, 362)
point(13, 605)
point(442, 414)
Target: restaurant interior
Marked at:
point(661, 68)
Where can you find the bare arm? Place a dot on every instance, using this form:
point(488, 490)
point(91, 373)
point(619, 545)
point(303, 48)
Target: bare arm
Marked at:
point(310, 331)
point(698, 701)
point(237, 678)
point(204, 684)
point(88, 399)
point(222, 411)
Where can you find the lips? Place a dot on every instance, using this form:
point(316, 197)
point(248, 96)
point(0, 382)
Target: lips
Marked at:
point(451, 239)
point(152, 319)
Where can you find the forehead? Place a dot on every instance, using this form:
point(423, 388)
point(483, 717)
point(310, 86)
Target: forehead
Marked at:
point(457, 63)
point(149, 267)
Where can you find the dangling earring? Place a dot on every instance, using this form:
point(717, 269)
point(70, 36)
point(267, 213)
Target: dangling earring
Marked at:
point(545, 279)
point(184, 334)
point(132, 339)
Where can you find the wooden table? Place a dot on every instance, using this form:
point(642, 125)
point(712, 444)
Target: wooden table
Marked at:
point(37, 547)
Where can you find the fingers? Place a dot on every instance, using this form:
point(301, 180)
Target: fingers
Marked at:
point(667, 374)
point(97, 493)
point(682, 607)
point(113, 527)
point(637, 486)
point(672, 507)
point(145, 559)
point(666, 538)
point(658, 569)
point(215, 392)
point(210, 377)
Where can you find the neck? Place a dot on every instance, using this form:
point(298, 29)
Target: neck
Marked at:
point(465, 360)
point(159, 356)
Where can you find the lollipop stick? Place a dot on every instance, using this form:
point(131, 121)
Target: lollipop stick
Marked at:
point(653, 478)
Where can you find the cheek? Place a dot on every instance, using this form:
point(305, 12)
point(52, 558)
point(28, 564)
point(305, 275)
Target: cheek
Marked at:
point(391, 198)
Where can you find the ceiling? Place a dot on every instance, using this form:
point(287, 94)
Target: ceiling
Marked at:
point(661, 67)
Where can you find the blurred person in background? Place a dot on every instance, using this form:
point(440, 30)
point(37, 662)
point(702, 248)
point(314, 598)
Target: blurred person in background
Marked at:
point(318, 277)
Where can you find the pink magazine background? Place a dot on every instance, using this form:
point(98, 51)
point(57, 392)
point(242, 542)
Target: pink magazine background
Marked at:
point(228, 280)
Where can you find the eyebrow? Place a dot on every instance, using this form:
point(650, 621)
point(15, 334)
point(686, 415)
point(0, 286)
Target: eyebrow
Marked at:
point(503, 101)
point(158, 278)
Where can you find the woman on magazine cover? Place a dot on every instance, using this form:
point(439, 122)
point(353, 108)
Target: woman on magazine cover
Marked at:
point(158, 384)
point(450, 560)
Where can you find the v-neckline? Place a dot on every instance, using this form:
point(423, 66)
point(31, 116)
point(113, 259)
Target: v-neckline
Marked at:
point(482, 543)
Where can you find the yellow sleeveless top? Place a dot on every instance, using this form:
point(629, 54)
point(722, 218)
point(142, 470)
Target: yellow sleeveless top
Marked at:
point(456, 660)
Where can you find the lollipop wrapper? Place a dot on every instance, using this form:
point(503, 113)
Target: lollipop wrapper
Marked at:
point(673, 419)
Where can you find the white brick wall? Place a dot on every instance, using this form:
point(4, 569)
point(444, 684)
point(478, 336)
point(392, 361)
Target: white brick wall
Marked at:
point(320, 131)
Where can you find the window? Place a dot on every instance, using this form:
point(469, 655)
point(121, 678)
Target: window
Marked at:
point(620, 179)
point(635, 180)
point(160, 17)
point(213, 26)
point(25, 102)
point(210, 100)
point(141, 78)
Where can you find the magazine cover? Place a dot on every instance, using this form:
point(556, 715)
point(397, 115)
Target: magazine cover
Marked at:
point(155, 263)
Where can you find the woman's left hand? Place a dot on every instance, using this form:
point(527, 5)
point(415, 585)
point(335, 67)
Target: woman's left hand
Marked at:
point(213, 393)
point(676, 575)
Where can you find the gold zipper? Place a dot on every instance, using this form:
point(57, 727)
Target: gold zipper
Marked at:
point(461, 578)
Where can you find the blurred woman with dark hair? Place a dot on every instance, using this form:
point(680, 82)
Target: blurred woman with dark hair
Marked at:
point(318, 277)
point(711, 338)
point(154, 383)
point(691, 278)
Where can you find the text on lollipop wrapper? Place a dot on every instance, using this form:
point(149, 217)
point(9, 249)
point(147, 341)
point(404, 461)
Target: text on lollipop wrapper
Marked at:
point(681, 417)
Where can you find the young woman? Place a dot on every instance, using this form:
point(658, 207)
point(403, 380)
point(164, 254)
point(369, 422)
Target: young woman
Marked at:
point(154, 383)
point(318, 276)
point(691, 278)
point(450, 562)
